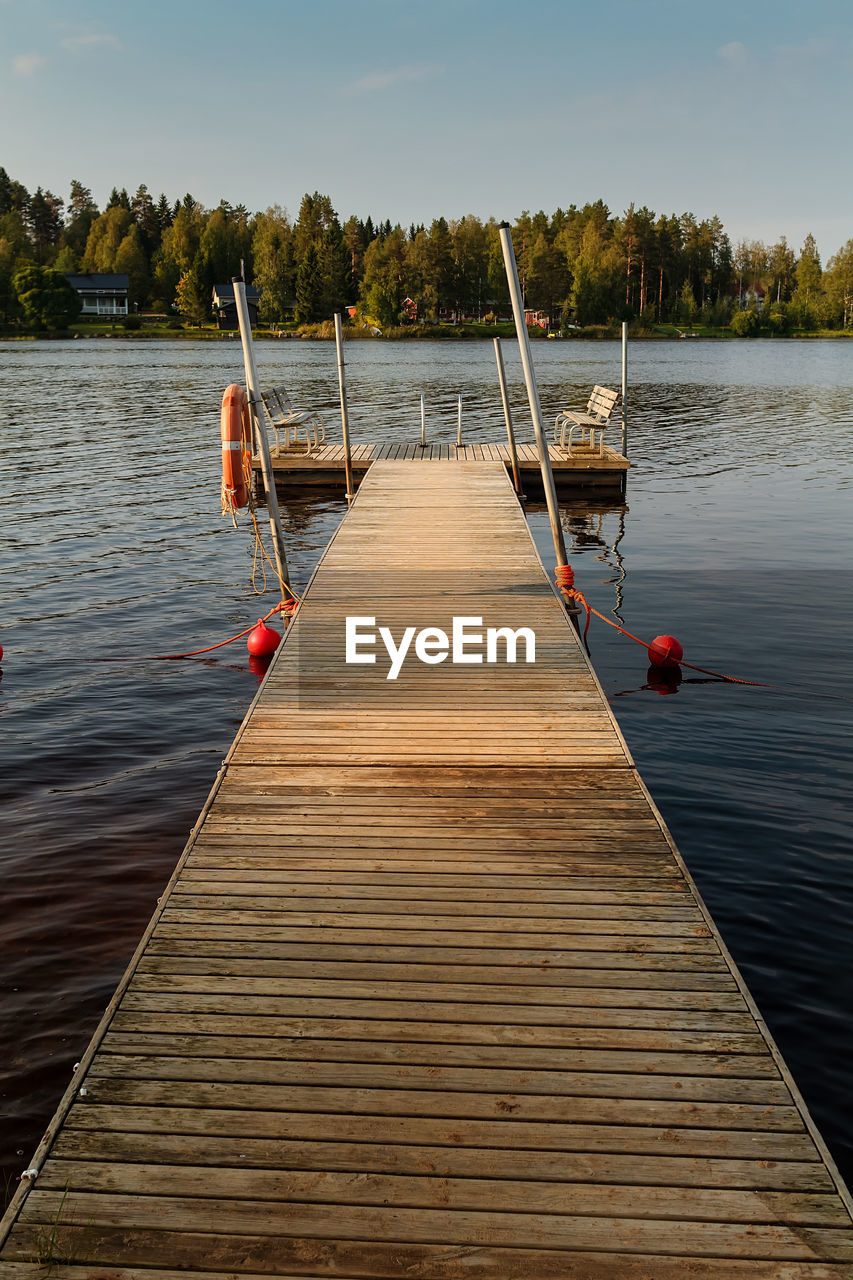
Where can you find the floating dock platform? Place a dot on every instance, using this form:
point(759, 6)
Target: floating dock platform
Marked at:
point(431, 993)
point(584, 467)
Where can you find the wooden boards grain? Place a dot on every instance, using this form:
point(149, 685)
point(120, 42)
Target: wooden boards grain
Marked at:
point(431, 993)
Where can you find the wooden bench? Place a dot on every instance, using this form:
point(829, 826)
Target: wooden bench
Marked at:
point(295, 430)
point(600, 406)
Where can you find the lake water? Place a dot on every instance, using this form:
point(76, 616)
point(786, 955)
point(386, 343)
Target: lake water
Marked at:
point(736, 539)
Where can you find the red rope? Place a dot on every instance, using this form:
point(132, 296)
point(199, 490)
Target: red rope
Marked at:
point(565, 582)
point(287, 607)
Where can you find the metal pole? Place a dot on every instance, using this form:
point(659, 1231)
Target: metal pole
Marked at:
point(510, 434)
point(533, 395)
point(253, 387)
point(339, 342)
point(459, 424)
point(624, 388)
point(423, 423)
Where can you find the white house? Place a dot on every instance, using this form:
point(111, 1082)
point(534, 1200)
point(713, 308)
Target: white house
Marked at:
point(102, 295)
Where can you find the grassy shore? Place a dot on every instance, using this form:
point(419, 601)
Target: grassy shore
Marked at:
point(177, 330)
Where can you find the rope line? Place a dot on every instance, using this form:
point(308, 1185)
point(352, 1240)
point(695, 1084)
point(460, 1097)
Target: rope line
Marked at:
point(565, 580)
point(286, 607)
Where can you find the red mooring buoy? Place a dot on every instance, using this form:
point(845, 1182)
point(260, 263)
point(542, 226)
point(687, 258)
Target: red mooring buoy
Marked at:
point(262, 640)
point(1, 653)
point(665, 651)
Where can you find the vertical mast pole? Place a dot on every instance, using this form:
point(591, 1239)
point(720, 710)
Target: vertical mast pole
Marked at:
point(253, 388)
point(533, 395)
point(510, 434)
point(339, 343)
point(624, 388)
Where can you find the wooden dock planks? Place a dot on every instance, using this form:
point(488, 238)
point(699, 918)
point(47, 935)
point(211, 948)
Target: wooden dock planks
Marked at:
point(584, 467)
point(430, 993)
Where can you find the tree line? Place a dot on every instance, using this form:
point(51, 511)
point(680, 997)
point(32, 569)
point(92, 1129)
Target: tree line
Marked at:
point(585, 266)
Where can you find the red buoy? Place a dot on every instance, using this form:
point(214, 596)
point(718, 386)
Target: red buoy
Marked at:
point(1, 653)
point(665, 651)
point(262, 640)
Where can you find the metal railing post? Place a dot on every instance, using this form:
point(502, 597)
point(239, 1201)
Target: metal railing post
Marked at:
point(339, 343)
point(624, 388)
point(533, 395)
point(253, 388)
point(510, 434)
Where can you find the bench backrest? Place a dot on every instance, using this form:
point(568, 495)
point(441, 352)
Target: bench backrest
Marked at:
point(602, 403)
point(276, 402)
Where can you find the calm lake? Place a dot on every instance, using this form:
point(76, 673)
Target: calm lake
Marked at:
point(736, 538)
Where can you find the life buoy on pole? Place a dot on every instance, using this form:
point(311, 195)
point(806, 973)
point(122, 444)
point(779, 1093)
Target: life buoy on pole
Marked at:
point(236, 449)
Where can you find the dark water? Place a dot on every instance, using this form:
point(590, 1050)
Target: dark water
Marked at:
point(736, 540)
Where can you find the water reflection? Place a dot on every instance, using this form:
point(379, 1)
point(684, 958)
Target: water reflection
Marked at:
point(584, 522)
point(594, 528)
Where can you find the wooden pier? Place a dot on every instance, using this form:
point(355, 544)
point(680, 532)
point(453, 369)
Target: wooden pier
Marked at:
point(431, 993)
point(583, 468)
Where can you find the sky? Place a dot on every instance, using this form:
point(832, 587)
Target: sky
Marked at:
point(410, 111)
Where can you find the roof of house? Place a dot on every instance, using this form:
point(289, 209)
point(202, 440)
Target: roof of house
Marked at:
point(94, 280)
point(224, 293)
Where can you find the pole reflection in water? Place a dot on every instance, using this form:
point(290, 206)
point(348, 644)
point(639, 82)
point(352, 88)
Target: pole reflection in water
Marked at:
point(589, 526)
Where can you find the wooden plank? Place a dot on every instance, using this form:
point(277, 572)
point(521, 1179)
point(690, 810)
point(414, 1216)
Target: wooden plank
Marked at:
point(470, 1078)
point(199, 911)
point(409, 1103)
point(430, 1226)
point(312, 1024)
point(447, 991)
point(539, 965)
point(483, 1193)
point(602, 1014)
point(285, 1257)
point(313, 1048)
point(442, 1162)
point(454, 1131)
point(345, 970)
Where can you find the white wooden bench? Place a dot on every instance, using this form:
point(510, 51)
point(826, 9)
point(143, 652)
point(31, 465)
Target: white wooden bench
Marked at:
point(600, 406)
point(295, 430)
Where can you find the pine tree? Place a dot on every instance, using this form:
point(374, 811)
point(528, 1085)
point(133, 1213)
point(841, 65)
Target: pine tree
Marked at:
point(333, 261)
point(145, 216)
point(308, 288)
point(119, 199)
point(164, 213)
point(81, 203)
point(44, 219)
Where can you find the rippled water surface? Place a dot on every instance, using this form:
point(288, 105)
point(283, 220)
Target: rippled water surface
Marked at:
point(735, 538)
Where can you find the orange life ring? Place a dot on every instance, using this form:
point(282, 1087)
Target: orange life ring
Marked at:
point(236, 448)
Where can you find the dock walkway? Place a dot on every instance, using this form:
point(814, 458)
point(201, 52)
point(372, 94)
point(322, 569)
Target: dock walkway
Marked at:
point(430, 994)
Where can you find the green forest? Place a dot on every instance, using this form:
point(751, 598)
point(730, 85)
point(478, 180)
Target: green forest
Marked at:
point(581, 266)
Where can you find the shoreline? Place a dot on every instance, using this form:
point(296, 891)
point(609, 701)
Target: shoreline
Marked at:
point(189, 335)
